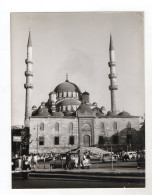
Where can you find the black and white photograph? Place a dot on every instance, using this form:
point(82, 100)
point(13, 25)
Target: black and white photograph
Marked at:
point(77, 100)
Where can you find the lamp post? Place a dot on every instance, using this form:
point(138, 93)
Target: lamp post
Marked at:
point(111, 158)
point(37, 137)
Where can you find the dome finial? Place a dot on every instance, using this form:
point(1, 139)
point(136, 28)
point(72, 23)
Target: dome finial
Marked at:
point(66, 78)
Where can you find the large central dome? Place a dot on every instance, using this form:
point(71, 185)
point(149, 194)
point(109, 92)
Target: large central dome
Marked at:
point(67, 87)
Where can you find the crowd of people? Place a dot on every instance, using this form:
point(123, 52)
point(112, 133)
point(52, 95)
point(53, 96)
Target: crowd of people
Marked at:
point(79, 159)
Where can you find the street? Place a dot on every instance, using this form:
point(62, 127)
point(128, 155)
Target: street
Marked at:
point(44, 181)
point(70, 183)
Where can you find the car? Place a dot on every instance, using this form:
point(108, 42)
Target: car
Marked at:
point(108, 157)
point(60, 162)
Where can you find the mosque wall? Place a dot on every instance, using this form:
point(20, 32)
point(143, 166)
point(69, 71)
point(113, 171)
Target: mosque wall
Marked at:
point(55, 135)
point(109, 127)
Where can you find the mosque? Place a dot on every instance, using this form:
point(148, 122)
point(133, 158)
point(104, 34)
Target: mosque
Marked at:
point(69, 120)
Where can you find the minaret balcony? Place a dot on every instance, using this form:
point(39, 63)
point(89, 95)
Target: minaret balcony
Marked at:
point(111, 64)
point(112, 76)
point(29, 85)
point(28, 73)
point(113, 87)
point(28, 61)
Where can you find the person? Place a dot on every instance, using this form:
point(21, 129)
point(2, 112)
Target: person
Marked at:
point(35, 161)
point(80, 155)
point(76, 160)
point(68, 160)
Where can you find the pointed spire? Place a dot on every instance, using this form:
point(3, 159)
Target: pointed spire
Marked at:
point(29, 44)
point(111, 47)
point(66, 78)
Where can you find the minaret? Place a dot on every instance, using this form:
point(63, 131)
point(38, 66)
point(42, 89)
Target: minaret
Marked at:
point(112, 76)
point(29, 84)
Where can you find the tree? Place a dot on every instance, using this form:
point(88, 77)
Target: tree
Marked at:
point(25, 141)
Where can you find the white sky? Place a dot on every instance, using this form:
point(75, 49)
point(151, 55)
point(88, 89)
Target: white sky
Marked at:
point(78, 43)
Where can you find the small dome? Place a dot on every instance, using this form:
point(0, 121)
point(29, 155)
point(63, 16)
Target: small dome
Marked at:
point(124, 114)
point(34, 107)
point(85, 93)
point(111, 114)
point(67, 87)
point(68, 102)
point(52, 93)
point(95, 109)
point(84, 108)
point(94, 104)
point(43, 111)
point(43, 104)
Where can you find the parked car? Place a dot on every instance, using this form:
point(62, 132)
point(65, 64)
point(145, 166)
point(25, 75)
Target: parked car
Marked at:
point(60, 162)
point(108, 157)
point(95, 157)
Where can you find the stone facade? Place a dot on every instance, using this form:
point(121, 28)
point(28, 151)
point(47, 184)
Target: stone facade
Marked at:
point(86, 132)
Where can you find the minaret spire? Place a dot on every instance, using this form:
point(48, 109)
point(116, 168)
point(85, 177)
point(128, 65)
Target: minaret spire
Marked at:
point(66, 78)
point(112, 76)
point(29, 43)
point(111, 47)
point(29, 84)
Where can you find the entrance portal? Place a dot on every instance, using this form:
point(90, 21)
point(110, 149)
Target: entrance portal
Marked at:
point(86, 140)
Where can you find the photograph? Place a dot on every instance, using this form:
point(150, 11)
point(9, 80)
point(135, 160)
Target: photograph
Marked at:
point(77, 100)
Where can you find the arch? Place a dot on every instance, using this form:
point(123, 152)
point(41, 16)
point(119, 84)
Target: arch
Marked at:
point(86, 127)
point(41, 126)
point(57, 126)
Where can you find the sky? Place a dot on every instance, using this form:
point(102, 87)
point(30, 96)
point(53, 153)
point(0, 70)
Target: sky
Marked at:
point(78, 44)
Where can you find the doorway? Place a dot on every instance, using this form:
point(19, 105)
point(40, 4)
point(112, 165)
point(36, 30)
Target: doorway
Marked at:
point(86, 140)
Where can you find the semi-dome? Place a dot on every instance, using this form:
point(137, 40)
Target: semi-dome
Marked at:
point(43, 111)
point(124, 114)
point(84, 108)
point(111, 114)
point(67, 87)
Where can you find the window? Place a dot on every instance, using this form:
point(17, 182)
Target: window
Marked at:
point(129, 125)
point(57, 126)
point(115, 127)
point(101, 140)
point(71, 128)
point(115, 139)
point(71, 140)
point(102, 128)
point(41, 126)
point(129, 137)
point(56, 140)
point(41, 141)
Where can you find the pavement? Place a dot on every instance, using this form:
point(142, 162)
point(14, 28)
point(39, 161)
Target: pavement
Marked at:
point(125, 175)
point(127, 172)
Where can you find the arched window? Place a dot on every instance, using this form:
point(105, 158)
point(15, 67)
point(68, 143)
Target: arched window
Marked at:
point(41, 126)
point(71, 128)
point(115, 127)
point(102, 128)
point(86, 127)
point(129, 125)
point(57, 126)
